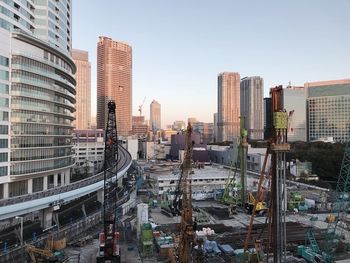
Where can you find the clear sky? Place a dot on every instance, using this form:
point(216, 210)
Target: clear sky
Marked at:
point(180, 46)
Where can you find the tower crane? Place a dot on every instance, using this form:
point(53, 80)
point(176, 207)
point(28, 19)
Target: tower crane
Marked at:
point(108, 247)
point(183, 251)
point(141, 105)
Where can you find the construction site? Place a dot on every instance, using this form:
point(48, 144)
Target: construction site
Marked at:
point(184, 212)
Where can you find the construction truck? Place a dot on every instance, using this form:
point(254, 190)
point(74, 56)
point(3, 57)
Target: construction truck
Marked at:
point(45, 255)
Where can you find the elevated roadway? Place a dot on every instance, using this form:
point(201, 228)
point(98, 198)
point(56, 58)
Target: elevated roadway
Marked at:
point(25, 204)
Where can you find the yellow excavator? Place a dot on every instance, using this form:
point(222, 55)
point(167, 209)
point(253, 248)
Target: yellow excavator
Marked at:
point(261, 207)
point(45, 255)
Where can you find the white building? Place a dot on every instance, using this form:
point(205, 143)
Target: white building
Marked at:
point(89, 149)
point(252, 97)
point(37, 96)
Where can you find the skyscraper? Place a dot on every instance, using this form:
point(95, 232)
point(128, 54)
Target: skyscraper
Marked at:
point(155, 116)
point(83, 88)
point(328, 110)
point(114, 82)
point(252, 96)
point(37, 96)
point(228, 106)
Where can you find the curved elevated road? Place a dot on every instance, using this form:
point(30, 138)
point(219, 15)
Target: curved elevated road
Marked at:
point(33, 202)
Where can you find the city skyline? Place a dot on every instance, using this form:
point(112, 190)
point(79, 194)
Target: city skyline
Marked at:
point(280, 42)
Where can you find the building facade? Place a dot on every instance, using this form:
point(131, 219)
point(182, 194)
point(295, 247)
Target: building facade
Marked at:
point(179, 126)
point(294, 102)
point(228, 106)
point(37, 96)
point(83, 88)
point(114, 82)
point(267, 119)
point(205, 130)
point(89, 149)
point(155, 116)
point(252, 96)
point(328, 110)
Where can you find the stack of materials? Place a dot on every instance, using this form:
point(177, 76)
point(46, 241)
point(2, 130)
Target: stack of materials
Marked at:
point(164, 243)
point(146, 239)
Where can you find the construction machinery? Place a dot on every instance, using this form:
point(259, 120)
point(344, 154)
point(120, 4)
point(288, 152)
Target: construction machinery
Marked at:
point(45, 255)
point(335, 220)
point(141, 105)
point(235, 193)
point(108, 239)
point(277, 205)
point(183, 251)
point(261, 207)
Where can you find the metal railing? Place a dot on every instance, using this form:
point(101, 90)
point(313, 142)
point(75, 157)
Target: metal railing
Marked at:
point(124, 160)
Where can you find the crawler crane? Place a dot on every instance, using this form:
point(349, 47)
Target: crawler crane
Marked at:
point(109, 249)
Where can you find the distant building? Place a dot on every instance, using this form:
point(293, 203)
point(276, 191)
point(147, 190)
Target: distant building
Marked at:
point(328, 110)
point(252, 96)
point(215, 127)
point(267, 119)
point(179, 125)
point(139, 127)
point(88, 148)
point(228, 106)
point(178, 142)
point(294, 102)
point(83, 88)
point(114, 82)
point(192, 120)
point(205, 130)
point(155, 116)
point(166, 134)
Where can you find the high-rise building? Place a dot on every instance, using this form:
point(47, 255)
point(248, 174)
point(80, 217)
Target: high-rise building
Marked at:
point(328, 110)
point(155, 115)
point(294, 102)
point(252, 96)
point(37, 96)
point(205, 131)
point(83, 88)
point(215, 127)
point(228, 106)
point(267, 119)
point(179, 125)
point(114, 82)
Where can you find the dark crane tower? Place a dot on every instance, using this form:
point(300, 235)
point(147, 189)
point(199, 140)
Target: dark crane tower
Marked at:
point(109, 251)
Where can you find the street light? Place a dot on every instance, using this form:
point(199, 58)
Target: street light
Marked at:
point(22, 251)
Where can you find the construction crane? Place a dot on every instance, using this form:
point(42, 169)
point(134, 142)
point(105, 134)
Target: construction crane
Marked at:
point(109, 249)
point(183, 253)
point(335, 219)
point(141, 105)
point(230, 195)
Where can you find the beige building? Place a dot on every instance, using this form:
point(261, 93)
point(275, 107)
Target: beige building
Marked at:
point(155, 116)
point(114, 82)
point(228, 106)
point(83, 88)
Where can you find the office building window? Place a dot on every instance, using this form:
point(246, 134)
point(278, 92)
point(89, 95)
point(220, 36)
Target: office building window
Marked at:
point(4, 75)
point(3, 143)
point(4, 129)
point(3, 157)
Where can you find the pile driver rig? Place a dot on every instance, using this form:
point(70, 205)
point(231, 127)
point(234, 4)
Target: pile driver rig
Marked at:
point(183, 252)
point(108, 247)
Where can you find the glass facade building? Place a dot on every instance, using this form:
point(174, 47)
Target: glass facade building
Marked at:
point(37, 95)
point(328, 110)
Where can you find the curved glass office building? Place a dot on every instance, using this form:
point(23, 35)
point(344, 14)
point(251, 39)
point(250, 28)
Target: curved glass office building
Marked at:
point(37, 98)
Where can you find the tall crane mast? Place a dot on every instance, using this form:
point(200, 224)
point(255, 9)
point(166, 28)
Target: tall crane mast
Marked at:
point(183, 253)
point(109, 251)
